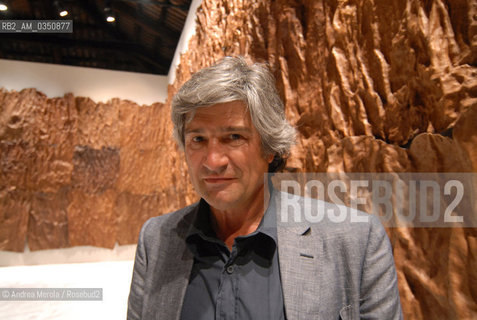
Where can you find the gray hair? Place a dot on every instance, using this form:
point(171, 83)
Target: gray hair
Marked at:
point(232, 79)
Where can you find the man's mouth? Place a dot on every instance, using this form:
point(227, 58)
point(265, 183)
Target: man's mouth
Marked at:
point(217, 180)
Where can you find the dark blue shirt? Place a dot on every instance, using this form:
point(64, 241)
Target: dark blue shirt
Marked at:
point(240, 284)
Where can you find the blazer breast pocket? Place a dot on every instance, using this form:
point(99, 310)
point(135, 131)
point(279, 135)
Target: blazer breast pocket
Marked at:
point(346, 313)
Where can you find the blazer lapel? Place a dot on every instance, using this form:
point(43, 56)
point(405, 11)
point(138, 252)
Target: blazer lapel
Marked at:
point(171, 274)
point(300, 265)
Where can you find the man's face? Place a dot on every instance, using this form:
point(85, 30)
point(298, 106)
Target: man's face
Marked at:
point(224, 155)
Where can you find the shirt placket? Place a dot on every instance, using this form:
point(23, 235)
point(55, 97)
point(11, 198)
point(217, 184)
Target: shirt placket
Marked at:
point(226, 307)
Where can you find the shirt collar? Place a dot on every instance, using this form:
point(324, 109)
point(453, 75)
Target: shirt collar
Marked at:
point(202, 226)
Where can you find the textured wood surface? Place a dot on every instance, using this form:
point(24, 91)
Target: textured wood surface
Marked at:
point(75, 172)
point(372, 86)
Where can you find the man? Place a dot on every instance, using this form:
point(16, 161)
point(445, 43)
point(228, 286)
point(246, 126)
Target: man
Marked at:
point(228, 256)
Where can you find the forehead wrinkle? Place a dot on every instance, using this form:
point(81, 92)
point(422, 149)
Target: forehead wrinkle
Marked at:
point(198, 130)
point(230, 113)
point(236, 128)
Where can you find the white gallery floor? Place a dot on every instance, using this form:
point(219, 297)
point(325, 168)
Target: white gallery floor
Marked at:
point(114, 277)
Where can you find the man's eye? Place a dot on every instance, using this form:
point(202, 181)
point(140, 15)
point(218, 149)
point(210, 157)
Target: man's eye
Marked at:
point(235, 139)
point(197, 139)
point(235, 136)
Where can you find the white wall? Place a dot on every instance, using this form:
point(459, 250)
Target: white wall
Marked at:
point(98, 84)
point(80, 254)
point(187, 32)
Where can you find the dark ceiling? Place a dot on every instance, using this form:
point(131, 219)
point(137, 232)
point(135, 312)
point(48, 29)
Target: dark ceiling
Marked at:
point(142, 39)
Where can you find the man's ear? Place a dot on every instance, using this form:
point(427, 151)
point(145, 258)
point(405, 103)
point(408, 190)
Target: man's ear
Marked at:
point(269, 157)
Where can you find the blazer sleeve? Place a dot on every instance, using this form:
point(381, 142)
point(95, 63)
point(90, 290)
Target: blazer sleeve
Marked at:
point(136, 293)
point(379, 295)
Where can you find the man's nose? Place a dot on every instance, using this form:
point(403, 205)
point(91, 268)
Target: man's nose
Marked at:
point(216, 158)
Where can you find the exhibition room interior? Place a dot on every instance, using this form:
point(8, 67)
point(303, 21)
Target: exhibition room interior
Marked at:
point(129, 58)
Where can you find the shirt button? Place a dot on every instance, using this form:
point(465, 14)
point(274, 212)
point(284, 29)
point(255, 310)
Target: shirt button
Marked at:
point(230, 269)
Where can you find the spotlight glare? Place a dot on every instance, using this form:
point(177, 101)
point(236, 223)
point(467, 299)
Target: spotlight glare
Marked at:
point(63, 13)
point(110, 19)
point(3, 7)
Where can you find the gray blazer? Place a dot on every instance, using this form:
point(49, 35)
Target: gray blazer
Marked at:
point(328, 270)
